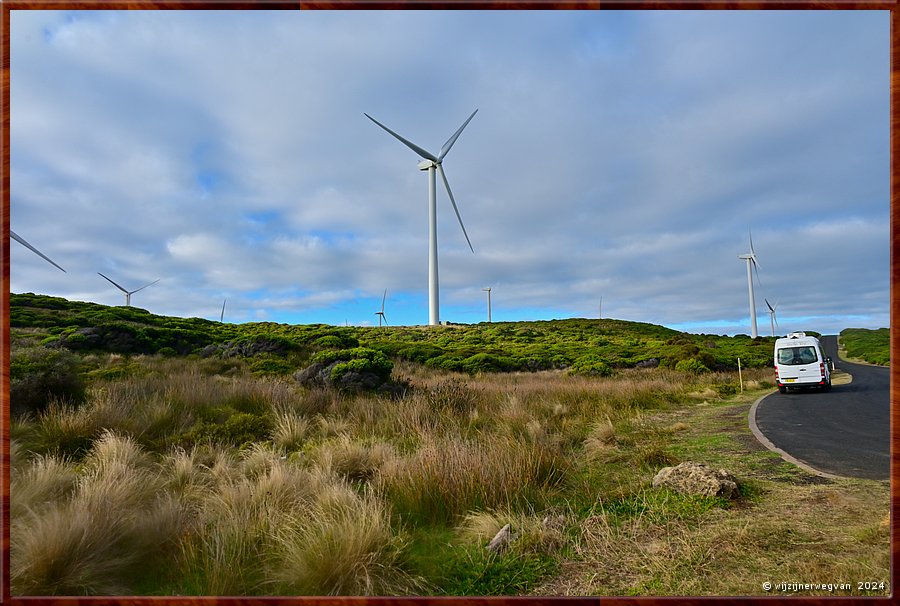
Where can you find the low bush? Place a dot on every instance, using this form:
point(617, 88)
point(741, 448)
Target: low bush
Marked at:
point(591, 365)
point(38, 375)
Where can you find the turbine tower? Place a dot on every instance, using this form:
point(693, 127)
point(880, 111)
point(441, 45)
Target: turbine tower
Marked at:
point(751, 261)
point(127, 292)
point(488, 289)
point(380, 314)
point(22, 241)
point(772, 314)
point(432, 164)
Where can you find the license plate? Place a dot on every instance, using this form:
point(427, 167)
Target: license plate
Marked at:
point(789, 380)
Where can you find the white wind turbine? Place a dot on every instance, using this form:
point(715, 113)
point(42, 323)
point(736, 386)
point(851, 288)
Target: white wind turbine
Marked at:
point(772, 314)
point(22, 241)
point(751, 260)
point(488, 289)
point(127, 292)
point(380, 314)
point(432, 163)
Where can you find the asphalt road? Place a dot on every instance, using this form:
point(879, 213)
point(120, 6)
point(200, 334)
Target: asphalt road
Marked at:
point(844, 432)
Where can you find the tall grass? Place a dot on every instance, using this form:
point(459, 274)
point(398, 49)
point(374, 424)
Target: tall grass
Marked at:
point(344, 545)
point(94, 541)
point(449, 476)
point(136, 488)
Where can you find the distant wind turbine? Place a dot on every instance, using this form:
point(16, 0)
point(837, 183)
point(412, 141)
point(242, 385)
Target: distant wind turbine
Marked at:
point(488, 289)
point(432, 163)
point(751, 260)
point(22, 241)
point(772, 314)
point(380, 314)
point(127, 292)
point(222, 315)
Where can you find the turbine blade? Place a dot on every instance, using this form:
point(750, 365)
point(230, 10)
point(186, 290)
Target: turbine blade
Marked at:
point(453, 202)
point(446, 147)
point(772, 309)
point(143, 287)
point(22, 241)
point(116, 285)
point(222, 315)
point(383, 297)
point(423, 153)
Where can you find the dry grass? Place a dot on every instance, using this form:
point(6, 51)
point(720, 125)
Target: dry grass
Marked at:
point(328, 502)
point(804, 535)
point(92, 541)
point(344, 545)
point(448, 476)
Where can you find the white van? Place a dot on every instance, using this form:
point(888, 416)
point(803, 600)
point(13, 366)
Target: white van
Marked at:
point(799, 362)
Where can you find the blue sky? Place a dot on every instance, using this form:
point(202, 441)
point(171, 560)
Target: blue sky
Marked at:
point(622, 155)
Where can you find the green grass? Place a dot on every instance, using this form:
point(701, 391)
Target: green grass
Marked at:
point(873, 346)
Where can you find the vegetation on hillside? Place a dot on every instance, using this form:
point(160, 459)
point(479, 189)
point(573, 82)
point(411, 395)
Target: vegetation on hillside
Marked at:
point(206, 468)
point(873, 346)
point(588, 346)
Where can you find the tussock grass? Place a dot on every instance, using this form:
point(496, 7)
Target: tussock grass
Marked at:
point(448, 476)
point(46, 479)
point(93, 541)
point(370, 494)
point(343, 546)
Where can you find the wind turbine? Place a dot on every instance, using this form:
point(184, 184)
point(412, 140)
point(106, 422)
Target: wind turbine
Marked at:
point(380, 314)
point(772, 314)
point(488, 289)
point(432, 163)
point(128, 293)
point(22, 241)
point(751, 260)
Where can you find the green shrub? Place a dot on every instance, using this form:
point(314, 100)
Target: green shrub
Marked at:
point(357, 359)
point(270, 365)
point(38, 375)
point(485, 362)
point(336, 341)
point(591, 364)
point(691, 365)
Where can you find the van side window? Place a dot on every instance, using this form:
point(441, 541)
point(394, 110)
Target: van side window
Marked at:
point(793, 356)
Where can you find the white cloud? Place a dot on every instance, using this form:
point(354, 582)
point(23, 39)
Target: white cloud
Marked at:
point(622, 155)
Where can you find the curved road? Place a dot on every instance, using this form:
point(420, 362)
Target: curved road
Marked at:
point(844, 432)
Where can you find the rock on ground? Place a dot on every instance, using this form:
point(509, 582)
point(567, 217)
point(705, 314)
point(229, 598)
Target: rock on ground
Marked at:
point(697, 479)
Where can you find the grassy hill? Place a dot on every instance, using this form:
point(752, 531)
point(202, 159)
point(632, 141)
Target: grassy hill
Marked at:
point(873, 346)
point(577, 344)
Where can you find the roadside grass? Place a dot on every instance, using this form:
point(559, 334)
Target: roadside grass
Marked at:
point(179, 480)
point(866, 346)
point(787, 526)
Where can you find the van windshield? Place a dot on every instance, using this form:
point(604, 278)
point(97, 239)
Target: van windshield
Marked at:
point(797, 355)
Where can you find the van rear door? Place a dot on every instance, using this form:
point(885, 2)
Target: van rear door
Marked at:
point(798, 364)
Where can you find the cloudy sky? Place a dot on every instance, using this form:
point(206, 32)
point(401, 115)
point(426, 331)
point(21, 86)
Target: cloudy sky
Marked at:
point(621, 156)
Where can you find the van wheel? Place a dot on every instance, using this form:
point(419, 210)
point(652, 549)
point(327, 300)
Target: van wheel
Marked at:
point(782, 389)
point(827, 386)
